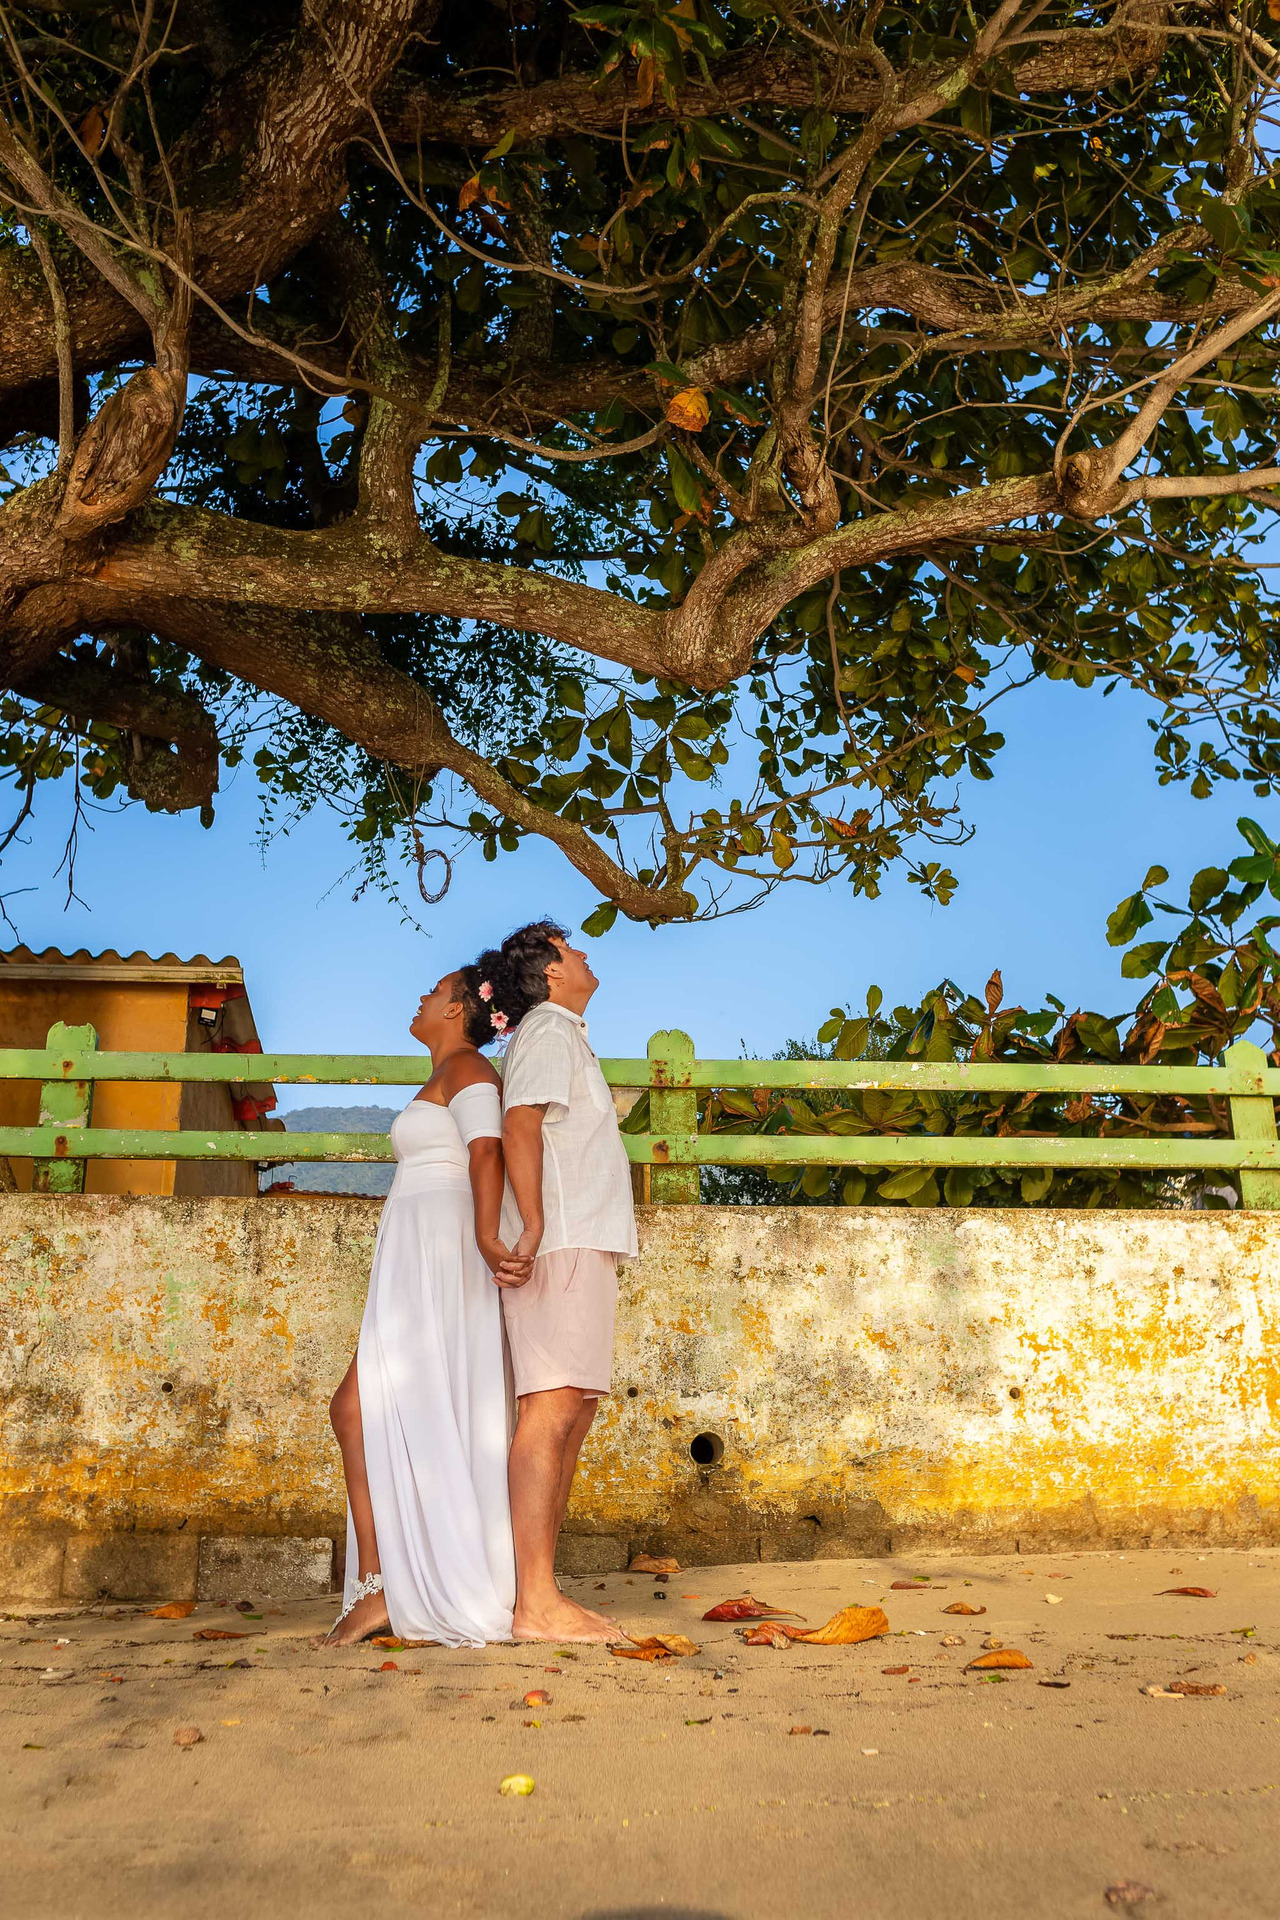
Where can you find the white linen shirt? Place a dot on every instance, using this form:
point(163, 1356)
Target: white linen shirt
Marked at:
point(586, 1176)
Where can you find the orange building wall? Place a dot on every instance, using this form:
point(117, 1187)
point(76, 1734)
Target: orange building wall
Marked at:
point(130, 1016)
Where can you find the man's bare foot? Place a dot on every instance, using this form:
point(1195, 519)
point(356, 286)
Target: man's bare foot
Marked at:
point(368, 1616)
point(562, 1619)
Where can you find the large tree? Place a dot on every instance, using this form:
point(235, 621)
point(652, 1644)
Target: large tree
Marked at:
point(663, 428)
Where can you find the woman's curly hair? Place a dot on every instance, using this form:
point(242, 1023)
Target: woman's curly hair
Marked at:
point(516, 973)
point(477, 1023)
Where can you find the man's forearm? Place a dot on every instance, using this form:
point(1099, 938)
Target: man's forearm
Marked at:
point(522, 1147)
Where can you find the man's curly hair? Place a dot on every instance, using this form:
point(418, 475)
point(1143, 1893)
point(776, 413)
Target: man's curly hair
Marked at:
point(517, 970)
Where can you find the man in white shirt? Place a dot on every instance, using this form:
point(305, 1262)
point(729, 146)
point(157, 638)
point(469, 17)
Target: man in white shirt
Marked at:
point(567, 1206)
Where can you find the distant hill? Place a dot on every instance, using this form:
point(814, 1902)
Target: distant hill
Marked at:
point(336, 1176)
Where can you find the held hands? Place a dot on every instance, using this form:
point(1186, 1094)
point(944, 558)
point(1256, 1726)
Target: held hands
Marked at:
point(510, 1268)
point(514, 1268)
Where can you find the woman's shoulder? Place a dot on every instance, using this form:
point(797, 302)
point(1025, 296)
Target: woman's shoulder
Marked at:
point(464, 1070)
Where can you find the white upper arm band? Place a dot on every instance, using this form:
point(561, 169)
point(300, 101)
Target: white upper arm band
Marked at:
point(477, 1112)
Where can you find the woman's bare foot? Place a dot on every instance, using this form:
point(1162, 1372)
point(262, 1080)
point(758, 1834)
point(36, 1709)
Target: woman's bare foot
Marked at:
point(368, 1616)
point(564, 1620)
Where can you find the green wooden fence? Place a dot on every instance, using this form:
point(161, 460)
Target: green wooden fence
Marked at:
point(69, 1064)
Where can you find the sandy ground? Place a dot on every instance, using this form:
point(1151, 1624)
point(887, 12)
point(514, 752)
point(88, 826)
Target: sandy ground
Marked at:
point(326, 1787)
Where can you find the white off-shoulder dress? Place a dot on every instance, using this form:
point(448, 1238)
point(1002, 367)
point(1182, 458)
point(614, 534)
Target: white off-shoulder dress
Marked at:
point(435, 1399)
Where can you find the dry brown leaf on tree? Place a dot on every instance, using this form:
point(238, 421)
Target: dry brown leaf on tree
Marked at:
point(657, 1646)
point(173, 1610)
point(688, 409)
point(747, 1608)
point(999, 1657)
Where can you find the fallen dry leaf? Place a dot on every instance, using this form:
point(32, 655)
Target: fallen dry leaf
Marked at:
point(388, 1666)
point(747, 1608)
point(953, 1639)
point(1053, 1683)
point(174, 1610)
point(992, 1641)
point(217, 1633)
point(999, 1657)
point(962, 1606)
point(895, 1669)
point(646, 1563)
point(914, 1586)
point(765, 1635)
point(1128, 1893)
point(844, 1629)
point(1194, 1687)
point(537, 1697)
point(187, 1737)
point(1192, 1593)
point(656, 1646)
point(1163, 1693)
point(802, 1729)
point(245, 1606)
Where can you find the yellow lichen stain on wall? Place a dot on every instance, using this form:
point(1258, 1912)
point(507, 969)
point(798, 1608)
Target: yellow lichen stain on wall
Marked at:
point(872, 1373)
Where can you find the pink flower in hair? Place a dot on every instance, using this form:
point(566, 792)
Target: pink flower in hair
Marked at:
point(485, 990)
point(499, 1022)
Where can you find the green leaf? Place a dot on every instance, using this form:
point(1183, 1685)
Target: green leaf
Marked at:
point(1035, 1184)
point(903, 1185)
point(1126, 920)
point(780, 848)
point(1207, 885)
point(1144, 959)
point(958, 1187)
point(685, 482)
point(1257, 839)
point(600, 919)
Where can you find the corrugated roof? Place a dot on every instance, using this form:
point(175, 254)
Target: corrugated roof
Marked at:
point(22, 963)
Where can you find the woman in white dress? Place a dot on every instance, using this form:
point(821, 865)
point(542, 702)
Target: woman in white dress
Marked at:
point(423, 1414)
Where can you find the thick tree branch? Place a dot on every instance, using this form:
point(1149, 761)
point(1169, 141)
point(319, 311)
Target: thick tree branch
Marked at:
point(262, 168)
point(173, 764)
point(1083, 61)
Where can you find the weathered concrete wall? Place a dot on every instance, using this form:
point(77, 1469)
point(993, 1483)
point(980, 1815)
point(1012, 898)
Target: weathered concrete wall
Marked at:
point(878, 1378)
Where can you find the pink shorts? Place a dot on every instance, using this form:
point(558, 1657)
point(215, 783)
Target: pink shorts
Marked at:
point(560, 1322)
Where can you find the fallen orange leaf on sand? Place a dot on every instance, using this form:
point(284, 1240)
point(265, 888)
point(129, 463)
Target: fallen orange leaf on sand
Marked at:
point(747, 1608)
point(999, 1657)
point(174, 1610)
point(1192, 1593)
point(765, 1635)
point(391, 1643)
point(218, 1633)
point(844, 1629)
point(648, 1563)
point(657, 1646)
point(962, 1606)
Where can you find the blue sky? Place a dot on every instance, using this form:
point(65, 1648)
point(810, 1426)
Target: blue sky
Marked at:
point(1070, 824)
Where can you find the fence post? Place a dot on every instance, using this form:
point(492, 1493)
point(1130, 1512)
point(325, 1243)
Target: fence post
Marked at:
point(64, 1103)
point(673, 1113)
point(1253, 1117)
